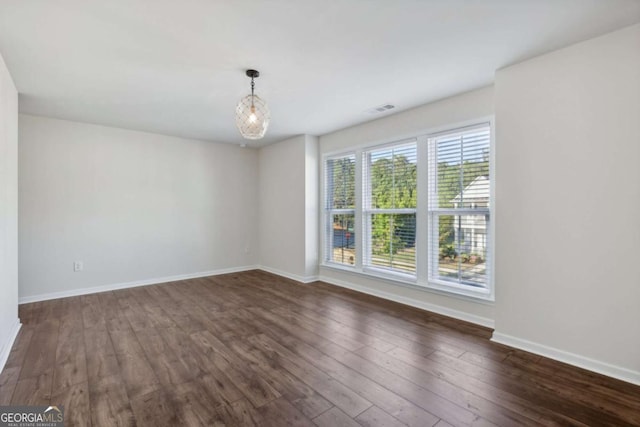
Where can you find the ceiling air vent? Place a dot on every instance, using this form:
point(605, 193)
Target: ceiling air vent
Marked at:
point(380, 109)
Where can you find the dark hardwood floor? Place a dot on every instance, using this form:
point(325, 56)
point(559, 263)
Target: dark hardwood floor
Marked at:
point(256, 349)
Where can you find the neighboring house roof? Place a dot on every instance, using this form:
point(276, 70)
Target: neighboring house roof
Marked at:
point(476, 191)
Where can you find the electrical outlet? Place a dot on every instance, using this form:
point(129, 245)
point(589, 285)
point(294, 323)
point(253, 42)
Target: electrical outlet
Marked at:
point(77, 266)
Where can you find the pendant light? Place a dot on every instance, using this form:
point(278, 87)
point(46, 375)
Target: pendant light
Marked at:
point(252, 113)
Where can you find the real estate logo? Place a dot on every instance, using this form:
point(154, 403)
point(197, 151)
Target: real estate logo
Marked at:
point(31, 416)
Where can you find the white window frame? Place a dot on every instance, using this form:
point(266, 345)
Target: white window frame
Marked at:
point(368, 211)
point(421, 280)
point(328, 212)
point(487, 292)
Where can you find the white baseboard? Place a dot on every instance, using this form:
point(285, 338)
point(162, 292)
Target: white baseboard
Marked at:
point(445, 311)
point(603, 368)
point(113, 287)
point(297, 278)
point(8, 345)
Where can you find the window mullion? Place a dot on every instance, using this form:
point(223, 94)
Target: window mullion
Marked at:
point(392, 211)
point(358, 219)
point(422, 216)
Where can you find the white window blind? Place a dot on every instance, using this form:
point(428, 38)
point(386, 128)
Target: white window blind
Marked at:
point(389, 208)
point(459, 207)
point(340, 210)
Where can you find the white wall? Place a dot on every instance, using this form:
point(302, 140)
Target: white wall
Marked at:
point(288, 207)
point(436, 116)
point(311, 217)
point(131, 206)
point(568, 204)
point(9, 323)
point(282, 209)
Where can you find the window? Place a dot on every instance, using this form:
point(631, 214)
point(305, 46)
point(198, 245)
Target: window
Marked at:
point(340, 209)
point(390, 195)
point(416, 212)
point(459, 207)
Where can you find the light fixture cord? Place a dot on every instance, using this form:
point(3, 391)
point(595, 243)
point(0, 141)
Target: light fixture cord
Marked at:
point(252, 87)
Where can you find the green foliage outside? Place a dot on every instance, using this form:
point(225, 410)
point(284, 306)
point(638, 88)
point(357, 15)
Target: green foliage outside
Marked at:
point(447, 250)
point(393, 186)
point(342, 176)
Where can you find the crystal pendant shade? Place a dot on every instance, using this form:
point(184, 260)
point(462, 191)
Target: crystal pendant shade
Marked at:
point(252, 117)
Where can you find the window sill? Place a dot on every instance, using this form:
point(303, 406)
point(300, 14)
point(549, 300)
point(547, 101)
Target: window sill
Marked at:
point(379, 273)
point(449, 288)
point(399, 279)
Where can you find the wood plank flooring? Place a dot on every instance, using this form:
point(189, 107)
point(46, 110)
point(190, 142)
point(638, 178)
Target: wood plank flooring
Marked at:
point(253, 348)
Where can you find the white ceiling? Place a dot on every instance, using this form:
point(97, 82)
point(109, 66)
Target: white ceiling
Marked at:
point(177, 67)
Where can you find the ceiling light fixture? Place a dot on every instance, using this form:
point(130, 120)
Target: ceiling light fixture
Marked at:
point(252, 113)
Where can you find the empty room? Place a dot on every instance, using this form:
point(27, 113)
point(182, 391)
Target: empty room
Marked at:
point(319, 213)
